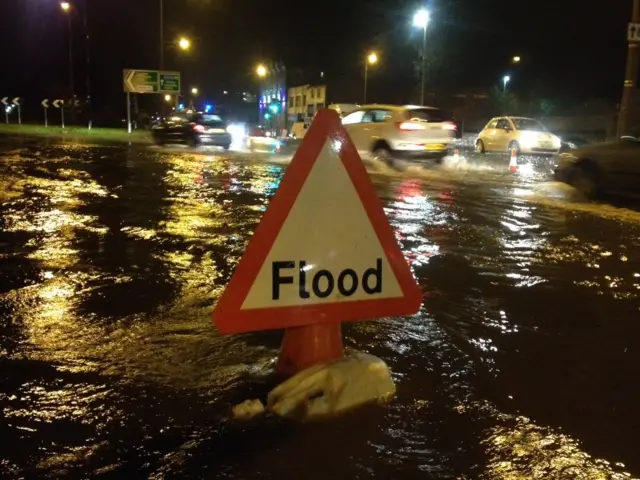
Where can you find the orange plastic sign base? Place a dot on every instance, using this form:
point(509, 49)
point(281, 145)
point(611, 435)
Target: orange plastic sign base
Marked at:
point(303, 347)
point(324, 251)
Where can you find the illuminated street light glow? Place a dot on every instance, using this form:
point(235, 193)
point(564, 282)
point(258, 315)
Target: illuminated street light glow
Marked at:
point(194, 91)
point(65, 6)
point(261, 71)
point(421, 18)
point(505, 80)
point(167, 98)
point(516, 59)
point(184, 43)
point(372, 58)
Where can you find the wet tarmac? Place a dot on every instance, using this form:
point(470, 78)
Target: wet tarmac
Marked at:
point(522, 363)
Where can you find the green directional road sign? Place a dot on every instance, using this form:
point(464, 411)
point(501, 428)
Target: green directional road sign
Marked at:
point(151, 81)
point(169, 82)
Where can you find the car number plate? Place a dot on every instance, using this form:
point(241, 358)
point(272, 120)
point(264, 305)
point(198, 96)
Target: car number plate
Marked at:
point(435, 146)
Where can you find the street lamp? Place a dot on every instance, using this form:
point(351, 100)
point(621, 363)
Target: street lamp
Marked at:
point(66, 8)
point(505, 80)
point(420, 20)
point(194, 91)
point(167, 98)
point(184, 43)
point(516, 59)
point(372, 59)
point(261, 71)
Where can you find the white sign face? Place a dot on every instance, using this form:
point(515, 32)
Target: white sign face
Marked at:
point(327, 250)
point(633, 32)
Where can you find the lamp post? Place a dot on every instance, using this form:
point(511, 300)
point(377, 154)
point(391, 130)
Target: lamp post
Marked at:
point(66, 8)
point(505, 80)
point(371, 59)
point(420, 20)
point(161, 34)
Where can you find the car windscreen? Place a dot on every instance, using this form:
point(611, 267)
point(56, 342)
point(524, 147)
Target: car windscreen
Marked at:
point(528, 124)
point(210, 120)
point(427, 115)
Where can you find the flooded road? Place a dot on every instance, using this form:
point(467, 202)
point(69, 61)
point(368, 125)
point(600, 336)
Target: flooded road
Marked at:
point(522, 363)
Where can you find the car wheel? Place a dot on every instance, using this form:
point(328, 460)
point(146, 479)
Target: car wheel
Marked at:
point(226, 146)
point(383, 155)
point(514, 146)
point(480, 147)
point(193, 142)
point(585, 179)
point(158, 140)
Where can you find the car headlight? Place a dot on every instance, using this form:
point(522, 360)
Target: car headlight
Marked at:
point(557, 142)
point(528, 139)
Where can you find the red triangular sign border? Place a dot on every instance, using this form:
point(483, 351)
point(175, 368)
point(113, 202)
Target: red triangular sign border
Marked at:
point(228, 315)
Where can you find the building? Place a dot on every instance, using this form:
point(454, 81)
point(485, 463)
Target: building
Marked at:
point(304, 102)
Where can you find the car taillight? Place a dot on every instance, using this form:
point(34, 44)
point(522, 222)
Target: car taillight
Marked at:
point(198, 128)
point(450, 126)
point(410, 126)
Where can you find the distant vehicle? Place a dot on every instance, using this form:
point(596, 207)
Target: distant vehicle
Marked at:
point(525, 135)
point(193, 129)
point(602, 168)
point(261, 139)
point(394, 132)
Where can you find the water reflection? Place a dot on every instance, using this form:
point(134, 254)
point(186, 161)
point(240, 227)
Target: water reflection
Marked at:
point(524, 344)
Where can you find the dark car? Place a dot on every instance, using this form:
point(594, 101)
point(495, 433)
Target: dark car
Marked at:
point(603, 168)
point(193, 129)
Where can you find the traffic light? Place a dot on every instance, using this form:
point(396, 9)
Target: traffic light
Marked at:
point(274, 108)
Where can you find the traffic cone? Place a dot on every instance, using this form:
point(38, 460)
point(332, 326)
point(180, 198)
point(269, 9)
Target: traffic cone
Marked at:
point(303, 347)
point(513, 161)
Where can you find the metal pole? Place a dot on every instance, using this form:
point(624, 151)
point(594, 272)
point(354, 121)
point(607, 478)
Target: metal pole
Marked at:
point(19, 115)
point(88, 65)
point(161, 34)
point(366, 71)
point(424, 62)
point(6, 115)
point(46, 120)
point(62, 115)
point(630, 78)
point(128, 112)
point(71, 75)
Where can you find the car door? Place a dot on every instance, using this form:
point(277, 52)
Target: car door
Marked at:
point(376, 123)
point(488, 133)
point(503, 135)
point(356, 129)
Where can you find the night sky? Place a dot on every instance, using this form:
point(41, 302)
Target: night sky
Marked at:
point(571, 49)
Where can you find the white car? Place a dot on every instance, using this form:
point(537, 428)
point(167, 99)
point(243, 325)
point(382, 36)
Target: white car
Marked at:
point(525, 135)
point(392, 132)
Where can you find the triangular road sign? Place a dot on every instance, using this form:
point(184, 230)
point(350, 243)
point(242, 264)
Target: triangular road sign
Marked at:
point(324, 250)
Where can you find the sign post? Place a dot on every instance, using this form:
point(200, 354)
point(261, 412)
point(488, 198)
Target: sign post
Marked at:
point(16, 102)
point(56, 103)
point(6, 109)
point(45, 105)
point(323, 253)
point(149, 81)
point(128, 112)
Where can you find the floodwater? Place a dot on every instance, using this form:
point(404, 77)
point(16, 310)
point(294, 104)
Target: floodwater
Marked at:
point(522, 364)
